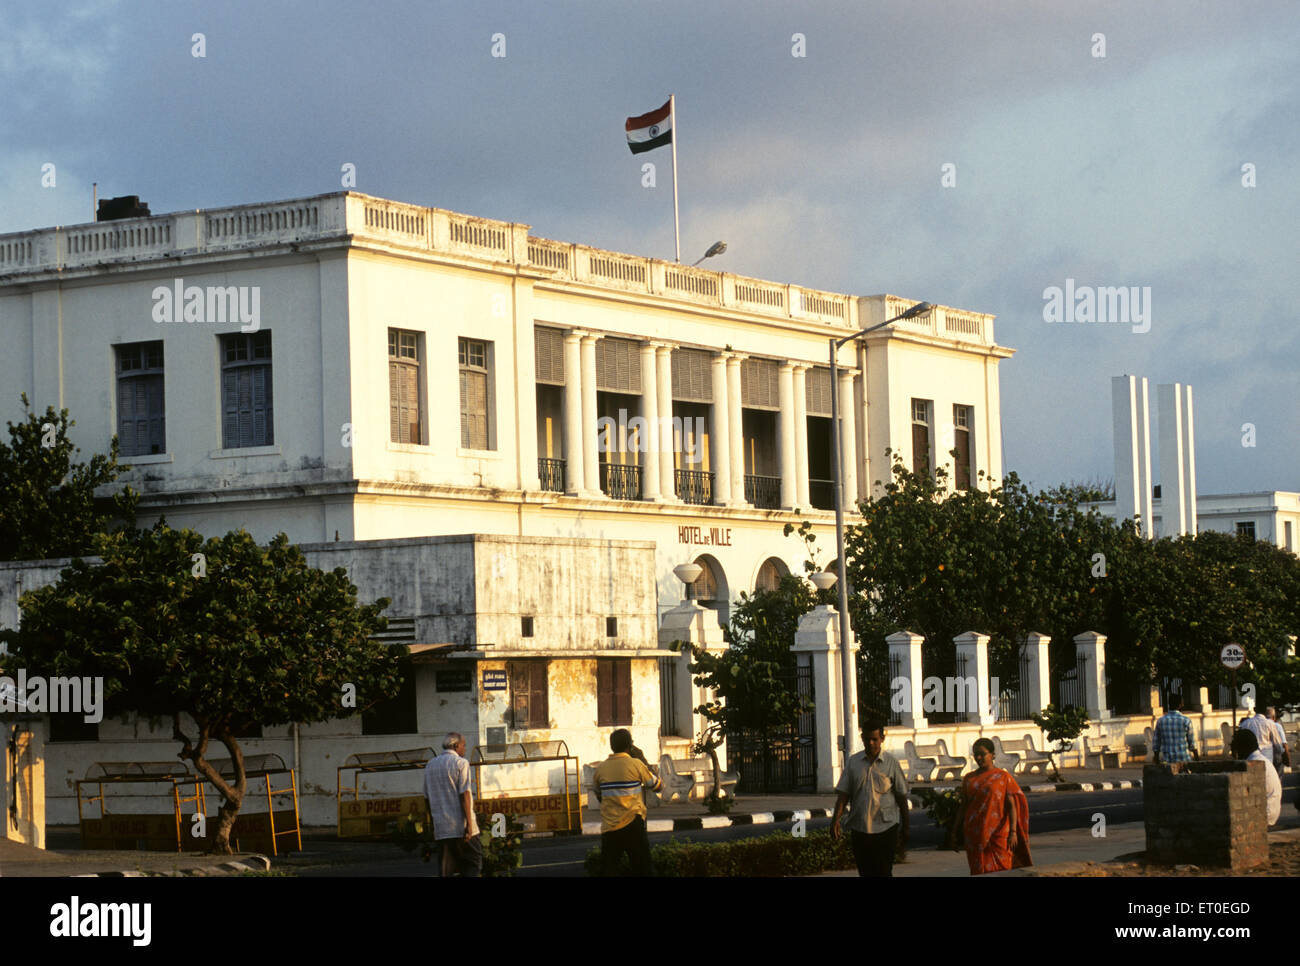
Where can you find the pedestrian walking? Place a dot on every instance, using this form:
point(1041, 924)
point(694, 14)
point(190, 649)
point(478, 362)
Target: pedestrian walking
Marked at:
point(1174, 740)
point(873, 787)
point(451, 804)
point(618, 782)
point(1258, 724)
point(994, 816)
point(1281, 753)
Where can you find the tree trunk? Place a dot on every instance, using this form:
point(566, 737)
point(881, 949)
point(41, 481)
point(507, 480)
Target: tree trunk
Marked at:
point(712, 749)
point(232, 797)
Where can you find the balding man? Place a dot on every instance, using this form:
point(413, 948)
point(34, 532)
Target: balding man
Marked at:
point(446, 786)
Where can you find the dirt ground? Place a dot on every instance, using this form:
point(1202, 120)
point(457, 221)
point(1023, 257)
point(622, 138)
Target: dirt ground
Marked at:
point(1284, 860)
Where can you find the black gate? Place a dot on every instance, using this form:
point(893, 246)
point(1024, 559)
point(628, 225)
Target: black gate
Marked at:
point(783, 759)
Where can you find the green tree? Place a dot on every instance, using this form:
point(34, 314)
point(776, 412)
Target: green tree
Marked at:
point(225, 631)
point(49, 507)
point(752, 680)
point(1063, 726)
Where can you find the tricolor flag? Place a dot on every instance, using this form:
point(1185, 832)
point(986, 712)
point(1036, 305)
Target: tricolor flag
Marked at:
point(650, 131)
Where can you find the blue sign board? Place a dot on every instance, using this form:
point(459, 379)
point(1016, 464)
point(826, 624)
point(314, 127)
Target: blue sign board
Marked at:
point(494, 680)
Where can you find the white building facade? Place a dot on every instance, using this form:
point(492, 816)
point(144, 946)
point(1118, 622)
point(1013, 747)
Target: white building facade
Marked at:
point(344, 367)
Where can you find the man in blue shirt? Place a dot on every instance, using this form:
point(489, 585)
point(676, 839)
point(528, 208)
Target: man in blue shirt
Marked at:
point(1174, 739)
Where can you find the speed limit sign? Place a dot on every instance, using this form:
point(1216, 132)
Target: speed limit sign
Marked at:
point(1232, 656)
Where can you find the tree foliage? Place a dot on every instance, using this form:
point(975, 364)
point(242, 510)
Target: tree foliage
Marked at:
point(49, 507)
point(224, 631)
point(1062, 726)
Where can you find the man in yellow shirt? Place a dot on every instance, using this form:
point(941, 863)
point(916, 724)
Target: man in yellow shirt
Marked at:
point(618, 782)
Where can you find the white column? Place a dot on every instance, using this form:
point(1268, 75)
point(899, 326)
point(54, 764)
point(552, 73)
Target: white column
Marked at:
point(1131, 429)
point(1173, 480)
point(906, 646)
point(1038, 683)
point(785, 438)
point(648, 438)
point(801, 437)
point(667, 476)
point(848, 440)
point(974, 647)
point(574, 479)
point(1189, 459)
point(695, 626)
point(590, 461)
point(1091, 646)
point(736, 431)
point(719, 430)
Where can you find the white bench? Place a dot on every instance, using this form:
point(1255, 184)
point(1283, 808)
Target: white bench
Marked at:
point(1019, 754)
point(1099, 750)
point(692, 778)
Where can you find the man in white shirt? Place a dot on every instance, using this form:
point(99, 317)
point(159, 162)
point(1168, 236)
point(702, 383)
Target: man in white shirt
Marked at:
point(446, 786)
point(1281, 755)
point(1244, 746)
point(1259, 726)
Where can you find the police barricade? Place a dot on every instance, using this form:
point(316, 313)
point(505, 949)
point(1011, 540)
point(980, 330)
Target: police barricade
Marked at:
point(545, 799)
point(163, 806)
point(368, 818)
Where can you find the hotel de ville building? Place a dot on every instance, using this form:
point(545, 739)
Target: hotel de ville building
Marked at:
point(516, 439)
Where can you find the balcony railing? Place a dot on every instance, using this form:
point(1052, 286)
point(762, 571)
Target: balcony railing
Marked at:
point(763, 492)
point(552, 474)
point(821, 494)
point(694, 486)
point(621, 481)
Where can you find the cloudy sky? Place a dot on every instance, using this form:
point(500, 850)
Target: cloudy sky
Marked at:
point(824, 169)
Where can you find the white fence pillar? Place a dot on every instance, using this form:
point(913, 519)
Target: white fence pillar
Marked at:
point(905, 687)
point(818, 636)
point(695, 626)
point(1036, 681)
point(972, 691)
point(1091, 647)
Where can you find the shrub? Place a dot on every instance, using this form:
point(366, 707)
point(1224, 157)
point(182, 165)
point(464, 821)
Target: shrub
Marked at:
point(778, 854)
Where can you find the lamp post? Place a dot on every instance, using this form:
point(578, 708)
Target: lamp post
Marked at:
point(847, 672)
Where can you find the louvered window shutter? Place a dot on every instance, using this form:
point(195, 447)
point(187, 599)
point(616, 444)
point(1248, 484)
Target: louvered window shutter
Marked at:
point(622, 675)
point(758, 384)
point(550, 355)
point(920, 449)
point(395, 402)
point(157, 438)
point(411, 403)
point(818, 389)
point(604, 694)
point(230, 409)
point(618, 366)
point(473, 409)
point(692, 378)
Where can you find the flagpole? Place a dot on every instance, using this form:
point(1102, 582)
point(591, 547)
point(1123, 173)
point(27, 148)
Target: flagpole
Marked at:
point(677, 230)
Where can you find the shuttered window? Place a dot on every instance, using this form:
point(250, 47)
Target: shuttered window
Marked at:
point(759, 384)
point(474, 394)
point(692, 375)
point(404, 357)
point(247, 411)
point(528, 695)
point(961, 420)
point(613, 693)
point(818, 389)
point(550, 355)
point(141, 416)
point(921, 436)
point(618, 365)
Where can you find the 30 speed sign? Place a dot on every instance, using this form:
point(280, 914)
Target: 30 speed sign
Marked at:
point(1232, 656)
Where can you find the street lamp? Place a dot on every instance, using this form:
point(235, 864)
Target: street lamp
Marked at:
point(717, 248)
point(847, 672)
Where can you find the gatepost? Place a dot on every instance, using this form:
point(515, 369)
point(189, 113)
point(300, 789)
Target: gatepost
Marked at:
point(818, 636)
point(1091, 647)
point(973, 654)
point(695, 626)
point(906, 646)
point(1038, 682)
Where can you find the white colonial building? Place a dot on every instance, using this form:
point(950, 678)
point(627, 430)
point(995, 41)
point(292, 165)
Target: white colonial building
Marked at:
point(326, 409)
point(295, 366)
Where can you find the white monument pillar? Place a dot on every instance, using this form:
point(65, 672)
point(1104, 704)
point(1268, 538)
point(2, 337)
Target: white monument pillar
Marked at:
point(906, 647)
point(818, 636)
point(786, 435)
point(973, 653)
point(1131, 419)
point(1037, 684)
point(1091, 647)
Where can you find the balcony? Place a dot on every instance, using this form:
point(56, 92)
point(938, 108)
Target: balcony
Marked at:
point(694, 486)
point(620, 482)
point(763, 492)
point(821, 494)
point(551, 473)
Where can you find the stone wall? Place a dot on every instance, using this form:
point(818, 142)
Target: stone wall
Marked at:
point(1209, 814)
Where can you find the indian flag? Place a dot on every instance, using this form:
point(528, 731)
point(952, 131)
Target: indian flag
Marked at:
point(650, 131)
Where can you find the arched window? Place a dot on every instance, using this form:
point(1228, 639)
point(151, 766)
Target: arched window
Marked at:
point(705, 588)
point(770, 574)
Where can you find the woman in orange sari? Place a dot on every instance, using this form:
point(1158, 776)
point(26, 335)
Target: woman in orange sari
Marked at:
point(994, 816)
